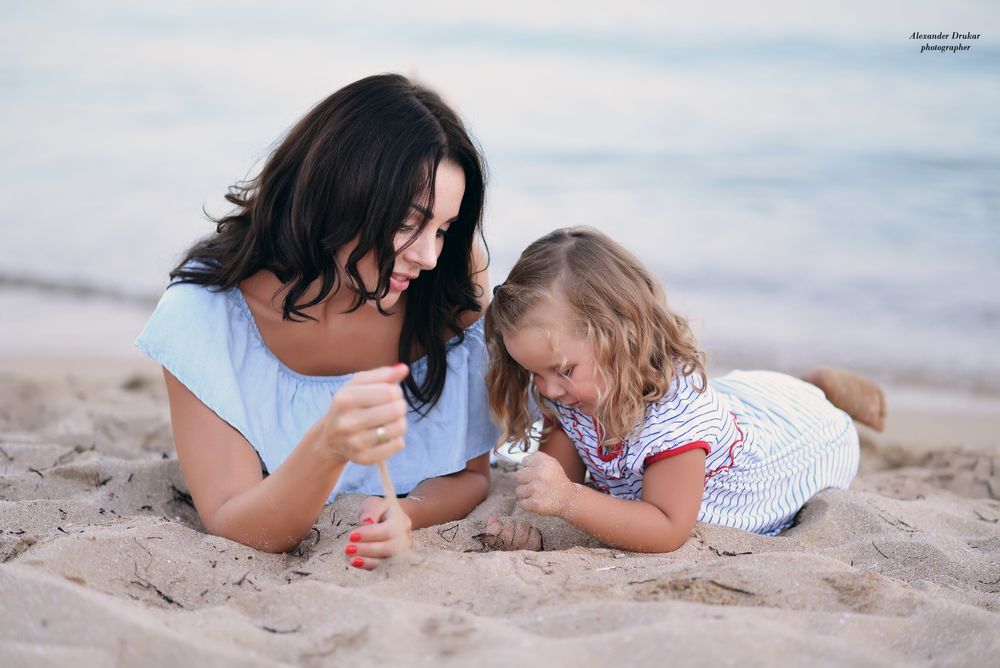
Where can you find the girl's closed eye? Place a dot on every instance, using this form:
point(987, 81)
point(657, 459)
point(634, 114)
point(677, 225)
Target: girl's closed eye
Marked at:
point(567, 372)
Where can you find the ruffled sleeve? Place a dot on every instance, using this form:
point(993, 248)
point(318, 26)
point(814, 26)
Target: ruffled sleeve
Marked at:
point(188, 334)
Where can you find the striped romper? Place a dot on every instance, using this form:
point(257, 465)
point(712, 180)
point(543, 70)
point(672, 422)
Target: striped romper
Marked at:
point(771, 443)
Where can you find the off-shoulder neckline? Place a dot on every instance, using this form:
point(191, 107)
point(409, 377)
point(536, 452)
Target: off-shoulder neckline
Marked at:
point(236, 295)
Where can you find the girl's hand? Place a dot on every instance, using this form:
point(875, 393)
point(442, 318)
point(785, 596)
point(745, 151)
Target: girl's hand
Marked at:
point(542, 485)
point(367, 417)
point(377, 536)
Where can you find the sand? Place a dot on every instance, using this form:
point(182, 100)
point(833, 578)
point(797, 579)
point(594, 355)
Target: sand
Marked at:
point(105, 563)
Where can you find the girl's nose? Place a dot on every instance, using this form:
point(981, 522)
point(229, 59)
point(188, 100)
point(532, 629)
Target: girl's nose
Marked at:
point(549, 389)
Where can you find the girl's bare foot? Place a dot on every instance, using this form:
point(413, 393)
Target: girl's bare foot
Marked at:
point(510, 534)
point(856, 395)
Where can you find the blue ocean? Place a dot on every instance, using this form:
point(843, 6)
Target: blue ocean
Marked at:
point(808, 185)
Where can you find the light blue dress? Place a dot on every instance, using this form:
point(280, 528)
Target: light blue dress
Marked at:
point(211, 343)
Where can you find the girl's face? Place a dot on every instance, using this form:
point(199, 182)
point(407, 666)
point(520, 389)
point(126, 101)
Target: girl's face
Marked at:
point(422, 254)
point(561, 364)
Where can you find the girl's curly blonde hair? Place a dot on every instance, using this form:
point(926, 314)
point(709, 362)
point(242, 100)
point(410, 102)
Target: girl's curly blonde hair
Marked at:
point(618, 307)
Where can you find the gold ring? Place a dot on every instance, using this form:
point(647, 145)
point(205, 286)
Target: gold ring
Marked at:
point(380, 435)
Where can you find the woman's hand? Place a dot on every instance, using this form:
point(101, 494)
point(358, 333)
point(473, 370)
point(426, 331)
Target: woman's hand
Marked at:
point(542, 485)
point(367, 417)
point(378, 535)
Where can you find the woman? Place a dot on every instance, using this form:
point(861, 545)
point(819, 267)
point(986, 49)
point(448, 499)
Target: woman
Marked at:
point(350, 266)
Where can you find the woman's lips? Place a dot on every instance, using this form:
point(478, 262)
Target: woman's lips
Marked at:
point(399, 282)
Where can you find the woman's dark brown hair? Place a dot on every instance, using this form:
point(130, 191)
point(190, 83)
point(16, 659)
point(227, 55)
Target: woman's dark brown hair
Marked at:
point(350, 168)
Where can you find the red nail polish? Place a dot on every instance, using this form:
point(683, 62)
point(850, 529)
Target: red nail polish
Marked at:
point(355, 537)
point(368, 520)
point(357, 562)
point(351, 549)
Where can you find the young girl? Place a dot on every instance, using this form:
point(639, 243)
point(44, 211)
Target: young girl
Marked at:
point(582, 328)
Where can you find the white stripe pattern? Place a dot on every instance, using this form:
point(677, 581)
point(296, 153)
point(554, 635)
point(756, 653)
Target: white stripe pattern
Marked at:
point(772, 442)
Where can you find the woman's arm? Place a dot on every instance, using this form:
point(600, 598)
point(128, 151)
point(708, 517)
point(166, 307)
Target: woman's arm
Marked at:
point(434, 500)
point(449, 497)
point(660, 522)
point(454, 496)
point(223, 473)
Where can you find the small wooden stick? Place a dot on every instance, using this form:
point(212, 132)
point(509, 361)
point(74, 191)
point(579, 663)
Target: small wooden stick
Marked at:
point(390, 496)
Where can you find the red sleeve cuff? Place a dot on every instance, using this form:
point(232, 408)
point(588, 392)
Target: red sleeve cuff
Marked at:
point(677, 451)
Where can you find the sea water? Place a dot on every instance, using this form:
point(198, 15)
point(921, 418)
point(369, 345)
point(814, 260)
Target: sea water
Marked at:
point(808, 185)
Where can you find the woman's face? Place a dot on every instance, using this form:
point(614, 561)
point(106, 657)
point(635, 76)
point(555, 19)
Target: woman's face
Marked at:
point(422, 254)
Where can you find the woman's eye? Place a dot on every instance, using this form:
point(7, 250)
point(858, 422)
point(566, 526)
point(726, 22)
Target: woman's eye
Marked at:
point(567, 372)
point(442, 233)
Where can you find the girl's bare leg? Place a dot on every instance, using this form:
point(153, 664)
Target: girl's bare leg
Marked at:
point(856, 395)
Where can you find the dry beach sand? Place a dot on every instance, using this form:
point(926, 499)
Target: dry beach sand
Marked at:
point(104, 564)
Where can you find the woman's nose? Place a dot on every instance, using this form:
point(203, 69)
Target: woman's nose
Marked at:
point(424, 251)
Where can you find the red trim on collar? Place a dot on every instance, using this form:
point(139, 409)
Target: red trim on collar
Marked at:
point(602, 454)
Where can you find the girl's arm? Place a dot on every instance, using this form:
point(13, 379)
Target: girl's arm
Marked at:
point(556, 444)
point(660, 522)
point(274, 514)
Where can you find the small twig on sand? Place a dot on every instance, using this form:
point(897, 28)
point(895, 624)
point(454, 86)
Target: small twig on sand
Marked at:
point(993, 520)
point(181, 496)
point(145, 584)
point(273, 630)
point(731, 588)
point(726, 553)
